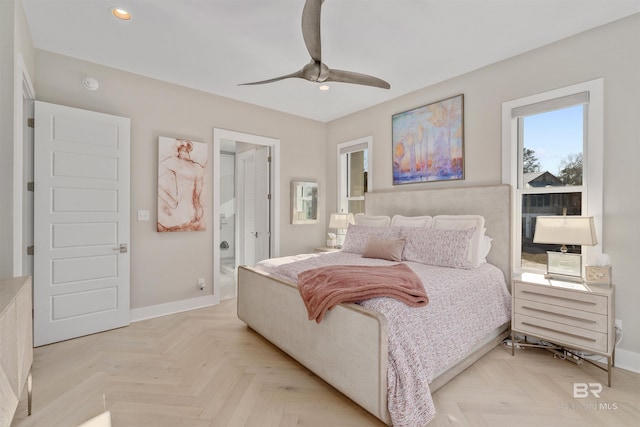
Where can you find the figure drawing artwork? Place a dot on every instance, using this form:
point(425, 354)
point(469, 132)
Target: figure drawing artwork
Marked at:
point(182, 183)
point(428, 142)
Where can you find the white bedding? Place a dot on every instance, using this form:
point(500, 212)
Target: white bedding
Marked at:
point(464, 305)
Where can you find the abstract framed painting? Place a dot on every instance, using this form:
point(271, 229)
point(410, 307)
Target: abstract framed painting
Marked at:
point(182, 185)
point(428, 142)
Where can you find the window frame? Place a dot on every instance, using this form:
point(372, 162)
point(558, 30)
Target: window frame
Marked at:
point(353, 146)
point(592, 186)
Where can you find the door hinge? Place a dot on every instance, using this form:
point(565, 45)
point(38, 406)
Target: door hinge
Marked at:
point(30, 250)
point(30, 186)
point(269, 159)
point(31, 122)
point(269, 196)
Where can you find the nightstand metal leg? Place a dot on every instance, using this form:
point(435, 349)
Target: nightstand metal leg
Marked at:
point(613, 356)
point(513, 343)
point(29, 392)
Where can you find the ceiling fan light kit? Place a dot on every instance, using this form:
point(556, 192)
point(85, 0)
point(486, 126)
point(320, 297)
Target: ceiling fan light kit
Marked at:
point(316, 70)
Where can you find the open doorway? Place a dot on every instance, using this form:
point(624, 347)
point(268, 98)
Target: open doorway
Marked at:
point(240, 227)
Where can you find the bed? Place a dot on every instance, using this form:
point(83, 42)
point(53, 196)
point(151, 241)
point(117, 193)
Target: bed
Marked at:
point(349, 349)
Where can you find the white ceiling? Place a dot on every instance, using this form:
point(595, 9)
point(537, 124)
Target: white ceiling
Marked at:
point(212, 45)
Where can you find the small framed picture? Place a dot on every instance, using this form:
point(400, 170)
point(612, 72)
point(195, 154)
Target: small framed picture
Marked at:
point(564, 264)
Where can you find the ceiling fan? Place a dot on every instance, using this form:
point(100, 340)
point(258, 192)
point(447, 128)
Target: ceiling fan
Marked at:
point(316, 70)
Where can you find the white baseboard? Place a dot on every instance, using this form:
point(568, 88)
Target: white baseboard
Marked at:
point(159, 310)
point(625, 359)
point(628, 360)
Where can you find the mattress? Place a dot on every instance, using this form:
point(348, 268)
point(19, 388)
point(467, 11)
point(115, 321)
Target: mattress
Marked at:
point(464, 306)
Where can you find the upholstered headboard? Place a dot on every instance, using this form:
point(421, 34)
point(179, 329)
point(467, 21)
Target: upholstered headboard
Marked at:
point(492, 202)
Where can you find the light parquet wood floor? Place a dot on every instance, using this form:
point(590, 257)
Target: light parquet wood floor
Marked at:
point(206, 368)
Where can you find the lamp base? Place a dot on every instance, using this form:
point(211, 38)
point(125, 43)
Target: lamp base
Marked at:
point(564, 266)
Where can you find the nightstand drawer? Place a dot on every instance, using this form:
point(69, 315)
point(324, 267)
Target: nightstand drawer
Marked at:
point(568, 335)
point(566, 316)
point(583, 301)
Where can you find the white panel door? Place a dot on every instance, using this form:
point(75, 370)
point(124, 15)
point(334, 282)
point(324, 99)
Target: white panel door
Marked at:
point(262, 202)
point(81, 222)
point(254, 205)
point(247, 206)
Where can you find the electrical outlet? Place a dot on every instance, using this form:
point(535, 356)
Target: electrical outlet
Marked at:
point(619, 324)
point(143, 215)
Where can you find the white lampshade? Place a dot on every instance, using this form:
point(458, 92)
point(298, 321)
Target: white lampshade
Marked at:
point(341, 220)
point(565, 230)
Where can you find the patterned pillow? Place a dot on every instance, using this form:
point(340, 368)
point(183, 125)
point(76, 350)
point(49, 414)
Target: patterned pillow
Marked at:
point(444, 248)
point(357, 236)
point(462, 222)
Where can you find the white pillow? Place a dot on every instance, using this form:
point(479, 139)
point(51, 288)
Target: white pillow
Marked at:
point(461, 222)
point(411, 221)
point(372, 220)
point(485, 248)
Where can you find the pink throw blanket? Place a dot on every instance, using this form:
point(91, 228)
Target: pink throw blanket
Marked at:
point(325, 287)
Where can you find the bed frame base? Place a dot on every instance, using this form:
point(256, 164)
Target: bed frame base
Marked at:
point(348, 349)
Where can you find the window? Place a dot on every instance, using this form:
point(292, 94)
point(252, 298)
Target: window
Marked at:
point(552, 157)
point(354, 174)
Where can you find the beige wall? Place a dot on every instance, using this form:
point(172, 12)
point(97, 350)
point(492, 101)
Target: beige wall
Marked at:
point(611, 52)
point(165, 266)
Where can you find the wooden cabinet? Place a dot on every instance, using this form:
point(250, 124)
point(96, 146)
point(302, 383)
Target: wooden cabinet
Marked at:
point(16, 344)
point(570, 315)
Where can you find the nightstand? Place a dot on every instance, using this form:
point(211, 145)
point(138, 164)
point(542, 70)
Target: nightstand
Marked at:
point(569, 315)
point(325, 249)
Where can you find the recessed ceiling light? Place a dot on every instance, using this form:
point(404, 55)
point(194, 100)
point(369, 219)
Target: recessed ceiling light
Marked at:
point(324, 87)
point(121, 14)
point(90, 83)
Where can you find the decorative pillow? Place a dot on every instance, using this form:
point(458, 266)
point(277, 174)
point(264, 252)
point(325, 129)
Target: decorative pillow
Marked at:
point(357, 236)
point(389, 249)
point(372, 220)
point(463, 222)
point(444, 248)
point(411, 221)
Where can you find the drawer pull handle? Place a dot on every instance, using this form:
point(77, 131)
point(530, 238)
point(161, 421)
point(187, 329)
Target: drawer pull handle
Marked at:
point(557, 297)
point(560, 332)
point(579, 319)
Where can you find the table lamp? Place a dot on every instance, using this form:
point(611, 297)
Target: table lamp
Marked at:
point(340, 221)
point(565, 230)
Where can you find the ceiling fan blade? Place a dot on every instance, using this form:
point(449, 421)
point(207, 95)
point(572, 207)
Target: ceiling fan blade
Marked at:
point(298, 73)
point(311, 28)
point(316, 70)
point(356, 78)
